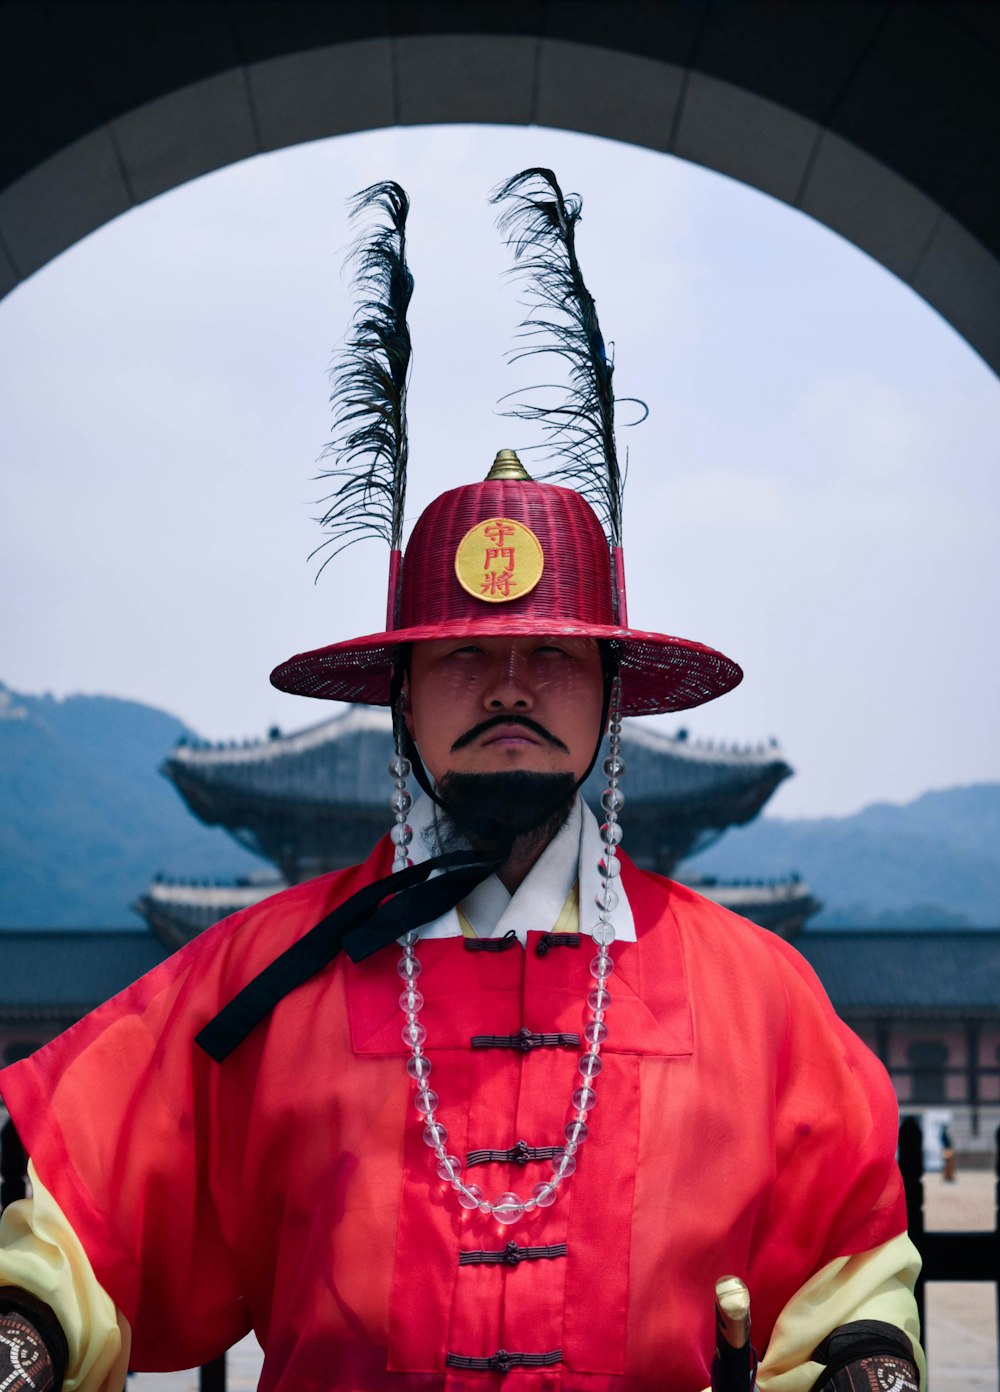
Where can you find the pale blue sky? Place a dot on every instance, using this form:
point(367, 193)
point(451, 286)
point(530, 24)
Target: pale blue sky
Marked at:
point(815, 491)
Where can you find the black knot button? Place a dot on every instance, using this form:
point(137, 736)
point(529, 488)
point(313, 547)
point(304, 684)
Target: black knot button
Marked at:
point(520, 1154)
point(501, 1361)
point(527, 1040)
point(512, 1254)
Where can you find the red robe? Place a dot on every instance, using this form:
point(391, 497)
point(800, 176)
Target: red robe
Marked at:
point(740, 1128)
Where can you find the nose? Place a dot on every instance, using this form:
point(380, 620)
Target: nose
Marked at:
point(509, 686)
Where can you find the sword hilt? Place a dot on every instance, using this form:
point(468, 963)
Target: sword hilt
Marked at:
point(735, 1363)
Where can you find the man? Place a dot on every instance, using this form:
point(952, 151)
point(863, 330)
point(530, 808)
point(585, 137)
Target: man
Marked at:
point(471, 1159)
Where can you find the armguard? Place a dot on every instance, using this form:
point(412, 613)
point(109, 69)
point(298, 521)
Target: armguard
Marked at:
point(40, 1320)
point(866, 1356)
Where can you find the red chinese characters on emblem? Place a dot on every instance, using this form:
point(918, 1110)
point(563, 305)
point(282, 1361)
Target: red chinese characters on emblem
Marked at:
point(499, 560)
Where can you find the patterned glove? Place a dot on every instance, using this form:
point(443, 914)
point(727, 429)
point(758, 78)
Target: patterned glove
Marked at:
point(867, 1356)
point(25, 1362)
point(33, 1349)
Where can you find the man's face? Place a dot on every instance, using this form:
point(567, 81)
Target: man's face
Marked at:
point(494, 705)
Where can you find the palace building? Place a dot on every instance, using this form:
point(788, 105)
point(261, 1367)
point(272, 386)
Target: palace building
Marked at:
point(317, 800)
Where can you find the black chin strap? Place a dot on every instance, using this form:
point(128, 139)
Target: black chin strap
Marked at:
point(403, 738)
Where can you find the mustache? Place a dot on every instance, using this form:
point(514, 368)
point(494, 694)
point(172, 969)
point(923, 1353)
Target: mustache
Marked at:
point(495, 721)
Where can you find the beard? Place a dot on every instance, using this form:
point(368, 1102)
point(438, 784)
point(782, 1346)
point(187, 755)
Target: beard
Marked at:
point(496, 811)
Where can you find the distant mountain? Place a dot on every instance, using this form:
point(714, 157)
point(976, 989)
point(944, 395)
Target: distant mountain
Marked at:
point(932, 863)
point(85, 818)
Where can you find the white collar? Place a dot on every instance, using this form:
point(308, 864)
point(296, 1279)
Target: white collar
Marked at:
point(570, 856)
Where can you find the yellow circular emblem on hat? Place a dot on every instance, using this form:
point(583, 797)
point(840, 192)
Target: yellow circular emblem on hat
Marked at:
point(499, 560)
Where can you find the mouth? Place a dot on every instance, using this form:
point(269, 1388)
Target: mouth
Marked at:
point(505, 732)
point(510, 736)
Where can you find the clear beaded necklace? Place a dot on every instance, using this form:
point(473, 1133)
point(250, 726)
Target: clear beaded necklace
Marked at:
point(509, 1207)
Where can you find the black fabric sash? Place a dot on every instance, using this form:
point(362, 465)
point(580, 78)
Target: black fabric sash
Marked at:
point(361, 925)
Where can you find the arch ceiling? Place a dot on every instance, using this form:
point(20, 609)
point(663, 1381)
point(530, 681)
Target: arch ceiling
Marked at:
point(880, 118)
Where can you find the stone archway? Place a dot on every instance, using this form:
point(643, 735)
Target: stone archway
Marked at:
point(880, 119)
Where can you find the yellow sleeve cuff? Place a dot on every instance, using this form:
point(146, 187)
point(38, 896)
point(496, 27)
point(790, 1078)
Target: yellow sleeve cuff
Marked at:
point(40, 1252)
point(875, 1285)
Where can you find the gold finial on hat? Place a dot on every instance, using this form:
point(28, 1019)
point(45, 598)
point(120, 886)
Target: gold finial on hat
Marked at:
point(507, 466)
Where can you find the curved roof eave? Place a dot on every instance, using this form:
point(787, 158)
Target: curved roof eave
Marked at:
point(882, 120)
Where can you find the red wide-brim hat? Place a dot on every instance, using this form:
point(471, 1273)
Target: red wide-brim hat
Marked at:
point(512, 558)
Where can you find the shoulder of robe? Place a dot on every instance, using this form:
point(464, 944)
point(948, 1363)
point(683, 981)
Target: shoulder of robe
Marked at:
point(652, 896)
point(208, 971)
point(709, 927)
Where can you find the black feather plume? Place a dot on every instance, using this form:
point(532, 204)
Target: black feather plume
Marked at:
point(368, 385)
point(540, 225)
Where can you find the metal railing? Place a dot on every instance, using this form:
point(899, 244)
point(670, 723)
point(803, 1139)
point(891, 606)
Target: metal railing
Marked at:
point(948, 1256)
